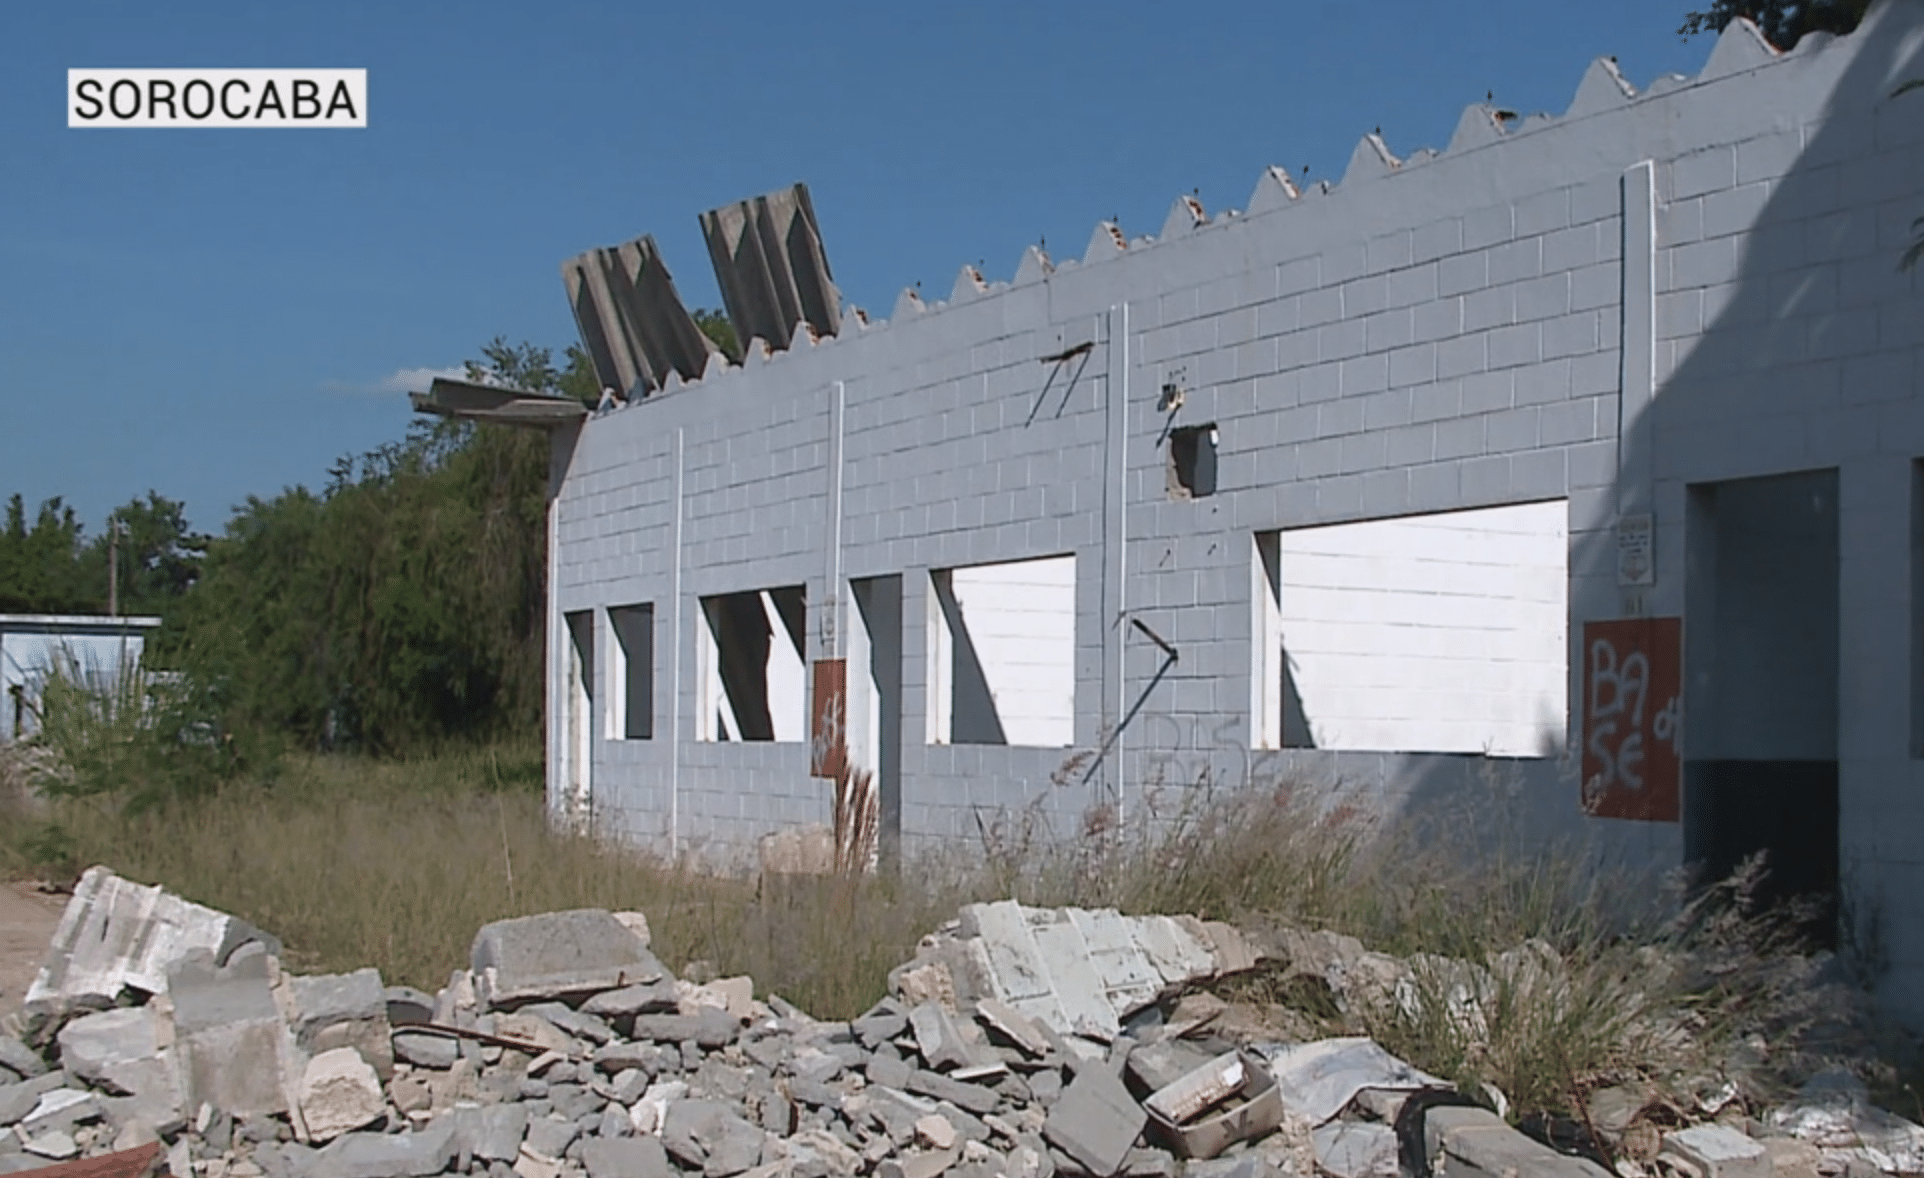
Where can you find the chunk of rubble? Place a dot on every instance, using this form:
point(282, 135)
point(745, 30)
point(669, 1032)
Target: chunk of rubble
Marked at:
point(1833, 1112)
point(116, 937)
point(1319, 1080)
point(343, 1010)
point(235, 1050)
point(559, 955)
point(1076, 971)
point(339, 1093)
point(1095, 1122)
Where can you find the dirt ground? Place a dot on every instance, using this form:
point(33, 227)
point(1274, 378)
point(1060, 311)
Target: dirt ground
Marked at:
point(27, 920)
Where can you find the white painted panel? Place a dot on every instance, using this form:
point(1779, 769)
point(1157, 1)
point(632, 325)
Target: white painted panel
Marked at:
point(1021, 619)
point(1436, 633)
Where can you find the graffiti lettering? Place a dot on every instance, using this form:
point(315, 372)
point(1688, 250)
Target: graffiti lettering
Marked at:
point(1632, 718)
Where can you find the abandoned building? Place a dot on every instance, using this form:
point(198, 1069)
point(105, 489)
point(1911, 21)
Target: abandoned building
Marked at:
point(1585, 450)
point(34, 646)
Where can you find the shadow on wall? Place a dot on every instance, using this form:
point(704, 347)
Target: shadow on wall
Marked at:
point(1793, 356)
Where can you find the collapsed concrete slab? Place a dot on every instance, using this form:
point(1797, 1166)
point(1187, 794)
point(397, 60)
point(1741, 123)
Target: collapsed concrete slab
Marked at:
point(117, 936)
point(558, 955)
point(1075, 971)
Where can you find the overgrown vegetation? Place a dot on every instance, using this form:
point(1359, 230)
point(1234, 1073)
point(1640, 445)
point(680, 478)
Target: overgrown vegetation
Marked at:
point(1526, 969)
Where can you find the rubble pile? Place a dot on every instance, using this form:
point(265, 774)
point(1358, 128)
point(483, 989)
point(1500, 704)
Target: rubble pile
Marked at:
point(1020, 1042)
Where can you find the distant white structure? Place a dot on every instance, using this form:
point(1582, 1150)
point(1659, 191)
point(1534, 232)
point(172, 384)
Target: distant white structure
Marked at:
point(31, 645)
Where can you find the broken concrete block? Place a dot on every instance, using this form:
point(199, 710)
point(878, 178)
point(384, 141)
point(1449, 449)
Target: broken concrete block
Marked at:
point(17, 1100)
point(405, 1004)
point(1158, 1065)
point(734, 995)
point(492, 1133)
point(339, 1093)
point(414, 1154)
point(558, 955)
point(659, 996)
point(232, 1048)
point(123, 1051)
point(344, 1010)
point(1476, 1143)
point(711, 1028)
point(1199, 1089)
point(1318, 1080)
point(1013, 1026)
point(19, 1057)
point(576, 1023)
point(534, 1165)
point(550, 1136)
point(919, 1165)
point(1355, 1149)
point(625, 1157)
point(537, 1033)
point(1095, 1122)
point(937, 1038)
point(935, 1131)
point(1718, 1151)
point(425, 1050)
point(117, 935)
point(973, 1097)
point(60, 1111)
point(54, 1145)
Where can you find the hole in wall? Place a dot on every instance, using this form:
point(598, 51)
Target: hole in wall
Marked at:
point(1192, 461)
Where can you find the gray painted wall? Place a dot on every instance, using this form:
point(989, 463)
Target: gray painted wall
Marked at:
point(1647, 293)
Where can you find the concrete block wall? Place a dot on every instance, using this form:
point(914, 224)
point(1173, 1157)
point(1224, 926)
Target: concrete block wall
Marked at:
point(1649, 292)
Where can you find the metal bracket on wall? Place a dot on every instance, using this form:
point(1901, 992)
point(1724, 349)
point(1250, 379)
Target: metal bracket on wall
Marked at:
point(1059, 360)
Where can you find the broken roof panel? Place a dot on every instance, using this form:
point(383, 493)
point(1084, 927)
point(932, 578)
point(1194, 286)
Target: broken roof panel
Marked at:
point(769, 262)
point(480, 402)
point(632, 320)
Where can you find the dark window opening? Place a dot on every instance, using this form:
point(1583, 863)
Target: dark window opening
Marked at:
point(1192, 461)
point(634, 627)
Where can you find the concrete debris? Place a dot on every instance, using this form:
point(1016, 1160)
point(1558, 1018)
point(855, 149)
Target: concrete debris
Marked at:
point(339, 1093)
point(1075, 971)
point(1356, 1149)
point(1319, 1080)
point(117, 936)
point(1475, 1141)
point(1020, 1043)
point(1096, 1121)
point(1716, 1151)
point(559, 955)
point(1834, 1113)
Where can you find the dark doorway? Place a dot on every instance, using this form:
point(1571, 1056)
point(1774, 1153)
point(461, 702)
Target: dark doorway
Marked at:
point(1761, 661)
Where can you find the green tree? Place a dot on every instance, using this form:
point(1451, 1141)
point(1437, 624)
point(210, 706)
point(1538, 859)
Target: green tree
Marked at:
point(720, 330)
point(1783, 22)
point(42, 569)
point(403, 605)
point(159, 557)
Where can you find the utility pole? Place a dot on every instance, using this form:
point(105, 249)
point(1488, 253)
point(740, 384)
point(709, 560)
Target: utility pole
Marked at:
point(113, 567)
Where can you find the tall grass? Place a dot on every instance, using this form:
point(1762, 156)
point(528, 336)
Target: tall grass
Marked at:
point(1526, 968)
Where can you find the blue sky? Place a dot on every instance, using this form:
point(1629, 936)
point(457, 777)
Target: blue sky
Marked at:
point(214, 314)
